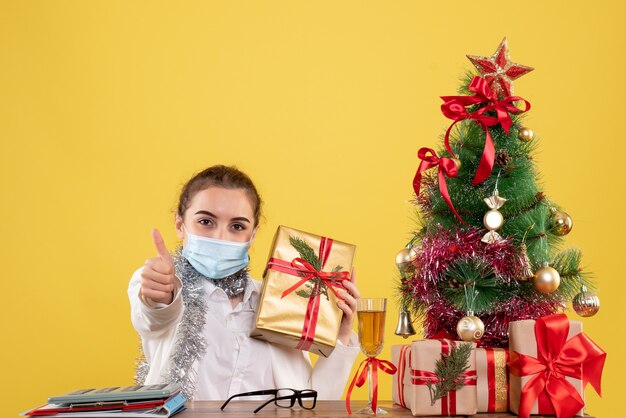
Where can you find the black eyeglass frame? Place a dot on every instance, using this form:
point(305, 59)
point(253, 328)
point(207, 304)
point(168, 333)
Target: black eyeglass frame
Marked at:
point(296, 395)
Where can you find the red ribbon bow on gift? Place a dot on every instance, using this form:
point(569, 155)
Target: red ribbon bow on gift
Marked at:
point(446, 168)
point(303, 269)
point(454, 107)
point(361, 376)
point(557, 357)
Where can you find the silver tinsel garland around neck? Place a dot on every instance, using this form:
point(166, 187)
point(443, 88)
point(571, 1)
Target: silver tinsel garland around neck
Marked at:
point(233, 285)
point(190, 344)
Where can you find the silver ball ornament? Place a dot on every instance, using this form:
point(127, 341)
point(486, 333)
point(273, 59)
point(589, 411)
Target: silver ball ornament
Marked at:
point(586, 303)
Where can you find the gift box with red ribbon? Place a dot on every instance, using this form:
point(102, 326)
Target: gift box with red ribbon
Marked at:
point(418, 387)
point(401, 381)
point(492, 379)
point(551, 362)
point(298, 306)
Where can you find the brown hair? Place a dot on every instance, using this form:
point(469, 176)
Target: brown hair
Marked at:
point(220, 176)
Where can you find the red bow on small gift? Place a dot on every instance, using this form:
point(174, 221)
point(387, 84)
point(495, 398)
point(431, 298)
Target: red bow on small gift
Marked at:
point(454, 107)
point(557, 357)
point(447, 168)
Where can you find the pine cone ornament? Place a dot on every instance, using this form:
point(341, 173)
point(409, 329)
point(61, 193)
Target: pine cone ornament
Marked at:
point(502, 159)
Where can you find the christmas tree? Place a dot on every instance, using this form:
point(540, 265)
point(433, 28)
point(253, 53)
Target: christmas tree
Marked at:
point(487, 250)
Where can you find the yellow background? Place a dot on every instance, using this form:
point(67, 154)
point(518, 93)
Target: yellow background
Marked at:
point(106, 108)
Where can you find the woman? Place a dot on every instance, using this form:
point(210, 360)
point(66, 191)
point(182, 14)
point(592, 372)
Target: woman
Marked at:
point(195, 309)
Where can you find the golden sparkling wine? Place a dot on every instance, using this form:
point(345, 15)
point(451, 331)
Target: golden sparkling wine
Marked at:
point(371, 332)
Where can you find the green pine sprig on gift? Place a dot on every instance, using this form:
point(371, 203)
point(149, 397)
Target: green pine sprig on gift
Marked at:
point(449, 370)
point(314, 286)
point(318, 287)
point(307, 253)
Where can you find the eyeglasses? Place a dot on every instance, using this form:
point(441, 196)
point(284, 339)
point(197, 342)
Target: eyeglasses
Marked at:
point(284, 398)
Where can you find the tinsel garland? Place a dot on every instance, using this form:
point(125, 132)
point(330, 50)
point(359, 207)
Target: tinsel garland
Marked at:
point(441, 316)
point(233, 285)
point(142, 367)
point(190, 345)
point(438, 251)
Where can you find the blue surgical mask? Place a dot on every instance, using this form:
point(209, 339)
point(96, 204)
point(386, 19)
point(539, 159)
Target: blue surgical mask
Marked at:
point(215, 258)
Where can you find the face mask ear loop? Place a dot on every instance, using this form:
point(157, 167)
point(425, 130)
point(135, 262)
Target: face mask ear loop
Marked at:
point(186, 234)
point(252, 237)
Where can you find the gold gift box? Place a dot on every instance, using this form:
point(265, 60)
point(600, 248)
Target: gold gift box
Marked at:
point(492, 379)
point(280, 319)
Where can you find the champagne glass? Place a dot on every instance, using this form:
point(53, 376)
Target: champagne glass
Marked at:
point(371, 316)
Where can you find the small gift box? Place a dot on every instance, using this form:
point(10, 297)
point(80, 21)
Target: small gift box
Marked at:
point(401, 381)
point(492, 379)
point(298, 306)
point(551, 361)
point(442, 378)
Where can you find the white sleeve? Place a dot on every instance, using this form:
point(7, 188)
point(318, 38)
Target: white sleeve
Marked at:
point(151, 319)
point(330, 374)
point(292, 368)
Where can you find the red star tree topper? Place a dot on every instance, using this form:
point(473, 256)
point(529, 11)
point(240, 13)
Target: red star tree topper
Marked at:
point(498, 69)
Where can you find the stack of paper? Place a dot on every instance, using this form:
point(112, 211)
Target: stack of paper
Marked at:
point(159, 401)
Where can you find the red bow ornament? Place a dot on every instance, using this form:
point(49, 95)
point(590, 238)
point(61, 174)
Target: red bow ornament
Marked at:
point(446, 168)
point(361, 377)
point(454, 107)
point(557, 359)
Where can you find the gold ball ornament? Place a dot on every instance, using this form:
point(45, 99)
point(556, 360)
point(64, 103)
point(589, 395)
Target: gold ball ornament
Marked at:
point(493, 220)
point(525, 134)
point(470, 328)
point(546, 280)
point(562, 223)
point(405, 258)
point(457, 162)
point(586, 303)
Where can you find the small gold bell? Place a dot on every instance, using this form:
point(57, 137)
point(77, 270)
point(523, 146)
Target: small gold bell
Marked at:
point(405, 324)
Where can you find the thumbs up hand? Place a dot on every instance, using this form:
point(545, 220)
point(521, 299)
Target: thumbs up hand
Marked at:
point(158, 278)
